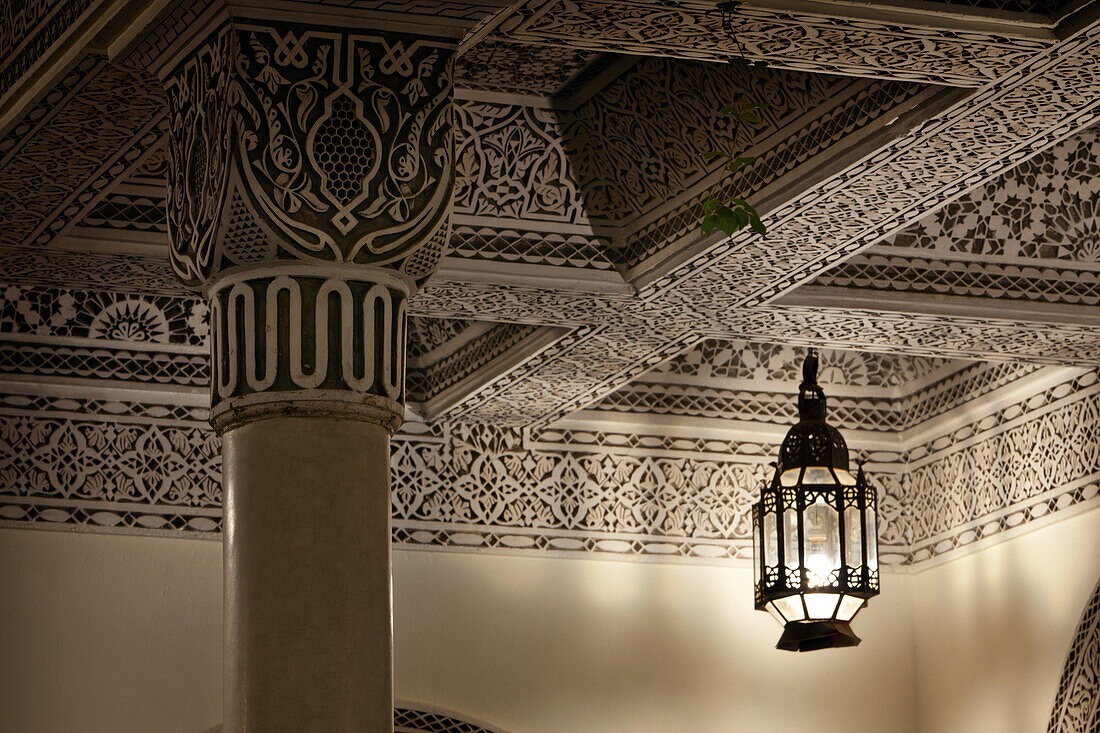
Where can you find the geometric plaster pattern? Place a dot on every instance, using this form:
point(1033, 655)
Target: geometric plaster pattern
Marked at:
point(1077, 704)
point(537, 184)
point(1046, 208)
point(1046, 98)
point(510, 68)
point(785, 39)
point(412, 720)
point(407, 720)
point(131, 466)
point(100, 120)
point(1031, 234)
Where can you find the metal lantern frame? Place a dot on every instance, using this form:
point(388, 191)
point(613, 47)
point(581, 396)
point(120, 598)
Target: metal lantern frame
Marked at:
point(815, 532)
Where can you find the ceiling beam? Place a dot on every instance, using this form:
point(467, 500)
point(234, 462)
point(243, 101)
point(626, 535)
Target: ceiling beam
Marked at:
point(966, 47)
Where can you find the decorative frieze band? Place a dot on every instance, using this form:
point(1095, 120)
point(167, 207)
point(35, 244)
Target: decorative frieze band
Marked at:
point(330, 337)
point(133, 466)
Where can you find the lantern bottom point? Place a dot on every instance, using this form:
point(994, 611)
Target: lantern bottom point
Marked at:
point(808, 636)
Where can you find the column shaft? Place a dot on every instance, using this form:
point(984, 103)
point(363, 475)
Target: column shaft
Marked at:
point(308, 635)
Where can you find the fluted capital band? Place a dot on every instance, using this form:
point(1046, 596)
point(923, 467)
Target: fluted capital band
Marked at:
point(308, 340)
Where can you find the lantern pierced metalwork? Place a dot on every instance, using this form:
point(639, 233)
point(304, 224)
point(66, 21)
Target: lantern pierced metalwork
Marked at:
point(815, 532)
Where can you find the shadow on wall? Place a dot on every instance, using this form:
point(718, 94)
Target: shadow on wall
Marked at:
point(424, 719)
point(1077, 704)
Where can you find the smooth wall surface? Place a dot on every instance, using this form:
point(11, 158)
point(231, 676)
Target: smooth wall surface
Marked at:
point(548, 646)
point(108, 633)
point(120, 634)
point(993, 628)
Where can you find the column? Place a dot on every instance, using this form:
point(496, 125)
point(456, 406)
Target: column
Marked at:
point(309, 191)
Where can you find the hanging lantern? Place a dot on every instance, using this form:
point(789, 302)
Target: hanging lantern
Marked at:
point(816, 542)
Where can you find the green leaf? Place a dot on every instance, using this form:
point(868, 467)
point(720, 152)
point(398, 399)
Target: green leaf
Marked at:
point(709, 206)
point(734, 165)
point(730, 109)
point(708, 224)
point(760, 64)
point(758, 225)
point(723, 218)
point(742, 203)
point(751, 117)
point(740, 220)
point(714, 154)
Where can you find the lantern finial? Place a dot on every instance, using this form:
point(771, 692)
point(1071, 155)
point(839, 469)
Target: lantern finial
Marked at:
point(809, 371)
point(811, 398)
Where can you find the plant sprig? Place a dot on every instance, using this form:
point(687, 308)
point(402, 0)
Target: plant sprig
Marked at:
point(732, 213)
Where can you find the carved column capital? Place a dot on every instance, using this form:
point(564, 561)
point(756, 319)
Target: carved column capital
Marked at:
point(291, 142)
point(310, 183)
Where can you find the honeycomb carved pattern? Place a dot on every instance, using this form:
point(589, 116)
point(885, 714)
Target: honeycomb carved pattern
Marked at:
point(243, 241)
point(366, 176)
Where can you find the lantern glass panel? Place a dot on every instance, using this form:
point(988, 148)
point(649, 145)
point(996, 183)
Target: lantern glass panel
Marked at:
point(872, 539)
point(790, 538)
point(821, 605)
point(817, 475)
point(848, 607)
point(757, 557)
point(771, 541)
point(790, 608)
point(776, 614)
point(853, 530)
point(821, 540)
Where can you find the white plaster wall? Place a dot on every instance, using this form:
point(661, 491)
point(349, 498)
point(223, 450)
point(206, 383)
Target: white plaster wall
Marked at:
point(108, 633)
point(541, 645)
point(119, 634)
point(993, 628)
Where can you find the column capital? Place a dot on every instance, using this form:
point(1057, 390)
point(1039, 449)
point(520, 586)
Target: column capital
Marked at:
point(311, 171)
point(300, 142)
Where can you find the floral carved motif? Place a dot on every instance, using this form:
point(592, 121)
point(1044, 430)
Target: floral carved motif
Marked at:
point(340, 143)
